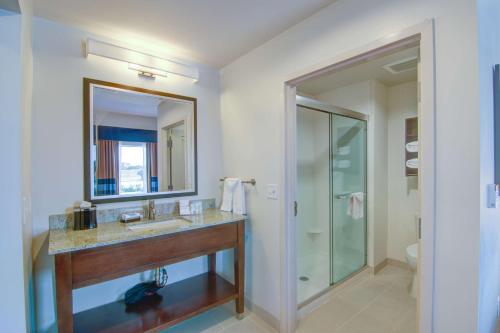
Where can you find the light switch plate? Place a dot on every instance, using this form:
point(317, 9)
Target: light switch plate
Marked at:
point(492, 193)
point(272, 191)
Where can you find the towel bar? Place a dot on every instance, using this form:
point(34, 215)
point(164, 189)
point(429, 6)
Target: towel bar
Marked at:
point(250, 181)
point(345, 195)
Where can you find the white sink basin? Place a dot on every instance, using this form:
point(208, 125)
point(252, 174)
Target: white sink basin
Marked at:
point(169, 224)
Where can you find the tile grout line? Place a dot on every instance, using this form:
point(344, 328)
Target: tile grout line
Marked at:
point(387, 284)
point(390, 283)
point(361, 310)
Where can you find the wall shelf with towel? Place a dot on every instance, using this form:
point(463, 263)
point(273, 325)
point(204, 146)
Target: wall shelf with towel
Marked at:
point(250, 181)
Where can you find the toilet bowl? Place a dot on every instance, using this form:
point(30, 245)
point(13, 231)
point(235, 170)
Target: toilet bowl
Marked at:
point(411, 258)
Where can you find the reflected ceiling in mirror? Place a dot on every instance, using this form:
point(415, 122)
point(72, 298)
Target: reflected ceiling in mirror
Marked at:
point(139, 143)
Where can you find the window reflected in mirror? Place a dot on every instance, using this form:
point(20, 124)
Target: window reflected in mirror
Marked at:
point(141, 143)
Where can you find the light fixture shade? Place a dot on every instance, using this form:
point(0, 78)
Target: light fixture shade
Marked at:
point(140, 59)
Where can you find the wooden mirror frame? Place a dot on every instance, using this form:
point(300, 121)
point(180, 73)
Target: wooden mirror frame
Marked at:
point(87, 83)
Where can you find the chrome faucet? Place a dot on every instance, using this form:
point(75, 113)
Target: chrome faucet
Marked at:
point(151, 210)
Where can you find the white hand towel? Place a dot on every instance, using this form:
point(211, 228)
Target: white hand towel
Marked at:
point(228, 193)
point(239, 199)
point(356, 206)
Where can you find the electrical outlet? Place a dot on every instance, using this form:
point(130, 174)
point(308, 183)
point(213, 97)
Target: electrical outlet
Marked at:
point(272, 191)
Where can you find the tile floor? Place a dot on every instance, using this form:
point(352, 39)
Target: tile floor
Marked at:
point(364, 304)
point(221, 320)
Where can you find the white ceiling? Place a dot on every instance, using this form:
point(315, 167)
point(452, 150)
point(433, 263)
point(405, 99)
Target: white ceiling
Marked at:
point(214, 32)
point(119, 101)
point(366, 71)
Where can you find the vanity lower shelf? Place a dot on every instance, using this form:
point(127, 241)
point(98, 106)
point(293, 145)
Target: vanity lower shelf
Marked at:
point(180, 301)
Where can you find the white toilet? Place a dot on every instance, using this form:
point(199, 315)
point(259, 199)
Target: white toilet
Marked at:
point(411, 258)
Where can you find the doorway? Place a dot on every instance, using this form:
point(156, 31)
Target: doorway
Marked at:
point(174, 139)
point(420, 36)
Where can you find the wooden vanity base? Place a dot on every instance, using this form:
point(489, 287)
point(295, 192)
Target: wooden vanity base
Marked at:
point(176, 302)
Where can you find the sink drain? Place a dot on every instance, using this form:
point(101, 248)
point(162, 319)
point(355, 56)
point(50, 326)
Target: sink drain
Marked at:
point(303, 278)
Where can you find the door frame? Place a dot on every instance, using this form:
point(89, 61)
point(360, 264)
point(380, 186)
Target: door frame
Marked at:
point(421, 35)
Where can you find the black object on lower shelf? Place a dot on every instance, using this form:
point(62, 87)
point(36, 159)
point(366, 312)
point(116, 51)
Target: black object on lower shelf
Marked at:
point(176, 302)
point(142, 290)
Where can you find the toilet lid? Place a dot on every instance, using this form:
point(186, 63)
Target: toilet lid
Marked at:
point(412, 250)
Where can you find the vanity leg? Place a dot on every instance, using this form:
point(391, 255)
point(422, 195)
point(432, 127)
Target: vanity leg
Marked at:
point(64, 293)
point(212, 263)
point(239, 270)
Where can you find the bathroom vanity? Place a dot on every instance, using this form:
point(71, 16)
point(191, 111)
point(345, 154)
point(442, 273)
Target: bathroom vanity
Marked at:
point(115, 249)
point(141, 144)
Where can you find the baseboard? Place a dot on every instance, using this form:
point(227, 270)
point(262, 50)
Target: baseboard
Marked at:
point(380, 266)
point(267, 317)
point(263, 315)
point(386, 262)
point(395, 262)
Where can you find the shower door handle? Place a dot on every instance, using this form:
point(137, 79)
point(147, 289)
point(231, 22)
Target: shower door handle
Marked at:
point(295, 208)
point(419, 228)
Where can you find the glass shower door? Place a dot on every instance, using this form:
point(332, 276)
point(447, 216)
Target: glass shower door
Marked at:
point(331, 188)
point(348, 196)
point(313, 193)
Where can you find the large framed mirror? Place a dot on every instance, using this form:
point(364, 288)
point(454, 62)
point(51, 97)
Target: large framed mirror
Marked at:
point(138, 143)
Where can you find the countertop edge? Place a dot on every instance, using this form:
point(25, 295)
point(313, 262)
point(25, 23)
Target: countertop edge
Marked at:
point(143, 237)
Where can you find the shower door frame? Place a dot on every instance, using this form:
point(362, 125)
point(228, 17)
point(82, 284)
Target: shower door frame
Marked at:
point(318, 106)
point(422, 35)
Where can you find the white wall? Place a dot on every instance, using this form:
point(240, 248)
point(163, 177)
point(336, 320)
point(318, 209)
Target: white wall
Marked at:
point(369, 97)
point(402, 191)
point(377, 159)
point(104, 118)
point(253, 123)
point(489, 54)
point(59, 68)
point(12, 312)
point(26, 150)
point(15, 121)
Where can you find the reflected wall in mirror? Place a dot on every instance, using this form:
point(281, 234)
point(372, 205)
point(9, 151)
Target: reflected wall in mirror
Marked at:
point(139, 143)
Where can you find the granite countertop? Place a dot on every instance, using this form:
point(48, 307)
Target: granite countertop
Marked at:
point(68, 240)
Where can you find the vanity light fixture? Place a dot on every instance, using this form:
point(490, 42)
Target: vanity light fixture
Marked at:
point(147, 72)
point(146, 64)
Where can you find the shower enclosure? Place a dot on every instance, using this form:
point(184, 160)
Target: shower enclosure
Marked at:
point(331, 184)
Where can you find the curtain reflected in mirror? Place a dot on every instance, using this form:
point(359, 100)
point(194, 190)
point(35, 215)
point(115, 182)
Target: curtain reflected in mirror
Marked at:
point(140, 143)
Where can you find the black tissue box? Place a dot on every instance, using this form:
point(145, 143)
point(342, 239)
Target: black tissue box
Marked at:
point(84, 218)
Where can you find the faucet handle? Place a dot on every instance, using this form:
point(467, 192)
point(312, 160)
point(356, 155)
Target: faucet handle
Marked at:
point(151, 210)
